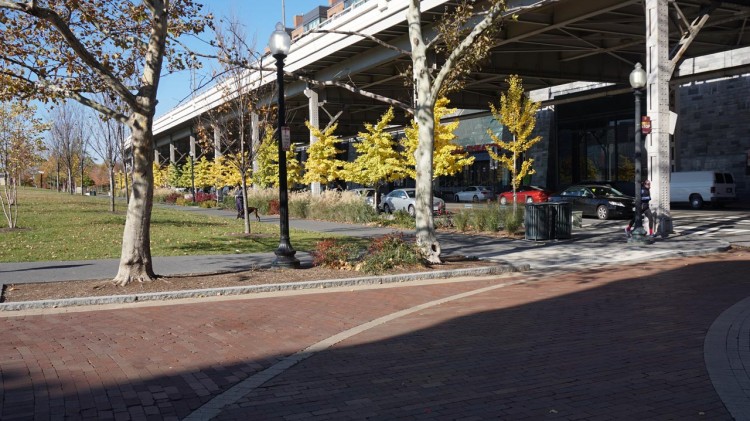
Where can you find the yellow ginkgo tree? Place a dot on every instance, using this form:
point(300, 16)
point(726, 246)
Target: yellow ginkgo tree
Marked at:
point(377, 160)
point(267, 156)
point(322, 166)
point(448, 157)
point(517, 113)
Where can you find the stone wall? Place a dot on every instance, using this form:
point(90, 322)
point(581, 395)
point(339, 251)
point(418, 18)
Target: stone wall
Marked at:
point(713, 129)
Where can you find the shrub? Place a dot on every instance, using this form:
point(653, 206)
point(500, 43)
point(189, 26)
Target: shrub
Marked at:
point(207, 204)
point(273, 207)
point(388, 252)
point(443, 221)
point(335, 254)
point(204, 197)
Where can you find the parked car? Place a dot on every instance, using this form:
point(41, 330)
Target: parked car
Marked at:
point(697, 187)
point(405, 199)
point(601, 201)
point(473, 194)
point(525, 194)
point(627, 187)
point(367, 194)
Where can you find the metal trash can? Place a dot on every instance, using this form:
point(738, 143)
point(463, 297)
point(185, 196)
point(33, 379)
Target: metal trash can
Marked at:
point(561, 217)
point(537, 221)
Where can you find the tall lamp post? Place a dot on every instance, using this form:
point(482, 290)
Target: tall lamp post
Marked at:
point(279, 45)
point(638, 81)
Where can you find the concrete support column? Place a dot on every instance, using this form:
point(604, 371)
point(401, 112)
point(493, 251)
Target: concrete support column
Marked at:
point(254, 143)
point(313, 105)
point(192, 147)
point(657, 107)
point(156, 158)
point(172, 153)
point(217, 141)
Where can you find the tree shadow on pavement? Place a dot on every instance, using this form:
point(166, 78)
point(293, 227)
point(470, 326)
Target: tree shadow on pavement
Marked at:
point(623, 344)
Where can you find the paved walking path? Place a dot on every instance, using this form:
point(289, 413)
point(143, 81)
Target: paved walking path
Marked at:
point(661, 339)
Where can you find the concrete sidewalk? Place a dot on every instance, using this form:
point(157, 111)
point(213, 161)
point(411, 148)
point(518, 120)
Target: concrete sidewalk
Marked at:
point(588, 247)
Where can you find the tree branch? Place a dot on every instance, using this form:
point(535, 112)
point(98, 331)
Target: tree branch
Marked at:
point(353, 89)
point(49, 15)
point(492, 13)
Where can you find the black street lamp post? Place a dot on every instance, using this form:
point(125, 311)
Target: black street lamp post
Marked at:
point(638, 81)
point(279, 45)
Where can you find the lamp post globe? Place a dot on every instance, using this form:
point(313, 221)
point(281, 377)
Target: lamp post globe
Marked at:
point(279, 45)
point(637, 82)
point(280, 41)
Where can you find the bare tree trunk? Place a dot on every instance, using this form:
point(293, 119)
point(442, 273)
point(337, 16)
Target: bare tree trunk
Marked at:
point(82, 169)
point(127, 185)
point(71, 187)
point(111, 170)
point(425, 109)
point(135, 260)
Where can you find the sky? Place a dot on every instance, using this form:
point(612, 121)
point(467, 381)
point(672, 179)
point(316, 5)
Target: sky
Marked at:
point(259, 18)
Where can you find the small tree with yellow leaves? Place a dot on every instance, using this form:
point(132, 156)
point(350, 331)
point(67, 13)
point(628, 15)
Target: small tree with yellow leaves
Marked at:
point(321, 165)
point(518, 114)
point(267, 156)
point(448, 157)
point(377, 161)
point(160, 176)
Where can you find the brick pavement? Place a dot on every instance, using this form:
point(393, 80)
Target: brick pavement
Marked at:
point(622, 343)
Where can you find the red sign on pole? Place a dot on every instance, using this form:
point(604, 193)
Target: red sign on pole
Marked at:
point(646, 124)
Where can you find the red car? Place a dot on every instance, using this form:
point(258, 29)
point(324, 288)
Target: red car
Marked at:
point(525, 194)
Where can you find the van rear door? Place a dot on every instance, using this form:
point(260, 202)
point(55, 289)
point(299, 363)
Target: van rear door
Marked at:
point(724, 188)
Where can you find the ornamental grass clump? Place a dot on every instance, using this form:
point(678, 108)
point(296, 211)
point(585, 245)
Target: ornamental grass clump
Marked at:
point(461, 220)
point(513, 220)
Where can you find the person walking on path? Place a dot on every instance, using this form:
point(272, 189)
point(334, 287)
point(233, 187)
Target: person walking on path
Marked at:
point(645, 210)
point(239, 201)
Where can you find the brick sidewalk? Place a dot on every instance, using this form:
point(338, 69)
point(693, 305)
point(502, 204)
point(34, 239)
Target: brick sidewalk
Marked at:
point(622, 343)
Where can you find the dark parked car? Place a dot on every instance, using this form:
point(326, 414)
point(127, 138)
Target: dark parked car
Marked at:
point(627, 187)
point(601, 201)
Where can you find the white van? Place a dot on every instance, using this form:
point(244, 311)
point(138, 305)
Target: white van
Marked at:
point(698, 187)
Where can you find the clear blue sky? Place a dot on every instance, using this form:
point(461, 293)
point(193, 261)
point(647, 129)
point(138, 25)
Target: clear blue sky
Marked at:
point(259, 18)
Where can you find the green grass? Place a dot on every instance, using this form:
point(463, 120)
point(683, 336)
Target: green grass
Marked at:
point(58, 226)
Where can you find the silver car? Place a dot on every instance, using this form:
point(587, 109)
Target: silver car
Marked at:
point(474, 194)
point(405, 199)
point(367, 194)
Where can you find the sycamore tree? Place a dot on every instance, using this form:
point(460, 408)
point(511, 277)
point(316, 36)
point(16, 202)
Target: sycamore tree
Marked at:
point(517, 113)
point(377, 160)
point(322, 166)
point(78, 49)
point(440, 61)
point(448, 157)
point(20, 148)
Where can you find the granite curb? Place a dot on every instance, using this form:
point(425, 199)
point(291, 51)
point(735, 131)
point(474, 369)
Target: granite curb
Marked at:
point(495, 269)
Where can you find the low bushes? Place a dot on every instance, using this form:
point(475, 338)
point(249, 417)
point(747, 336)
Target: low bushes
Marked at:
point(384, 253)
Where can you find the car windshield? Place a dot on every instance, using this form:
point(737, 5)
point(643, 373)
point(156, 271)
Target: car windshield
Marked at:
point(604, 191)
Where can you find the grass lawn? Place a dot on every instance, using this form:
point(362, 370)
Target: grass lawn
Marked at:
point(58, 226)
